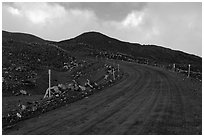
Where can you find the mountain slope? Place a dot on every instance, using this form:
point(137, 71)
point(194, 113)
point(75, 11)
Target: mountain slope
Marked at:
point(96, 40)
point(23, 37)
point(100, 42)
point(26, 58)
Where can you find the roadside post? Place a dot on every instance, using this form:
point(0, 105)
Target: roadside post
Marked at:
point(174, 67)
point(118, 68)
point(189, 69)
point(113, 74)
point(49, 73)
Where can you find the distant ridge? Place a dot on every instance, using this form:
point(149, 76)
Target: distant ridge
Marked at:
point(98, 41)
point(17, 36)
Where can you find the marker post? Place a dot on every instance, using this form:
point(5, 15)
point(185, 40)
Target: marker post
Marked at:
point(174, 67)
point(189, 69)
point(49, 73)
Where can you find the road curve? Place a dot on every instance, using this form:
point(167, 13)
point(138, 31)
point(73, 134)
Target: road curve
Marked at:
point(149, 101)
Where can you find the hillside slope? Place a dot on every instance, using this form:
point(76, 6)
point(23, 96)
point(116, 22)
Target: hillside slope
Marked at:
point(96, 40)
point(25, 58)
point(21, 37)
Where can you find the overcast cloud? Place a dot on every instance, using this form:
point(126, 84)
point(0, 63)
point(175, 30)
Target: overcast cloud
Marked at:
point(173, 25)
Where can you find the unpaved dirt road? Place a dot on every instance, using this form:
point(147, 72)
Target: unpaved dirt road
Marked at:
point(149, 101)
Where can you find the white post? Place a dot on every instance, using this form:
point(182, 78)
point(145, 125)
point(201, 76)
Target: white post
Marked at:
point(118, 69)
point(174, 67)
point(49, 72)
point(113, 74)
point(189, 69)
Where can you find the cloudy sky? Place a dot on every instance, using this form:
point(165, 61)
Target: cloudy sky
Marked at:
point(173, 25)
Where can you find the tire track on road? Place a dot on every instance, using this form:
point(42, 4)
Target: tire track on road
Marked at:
point(123, 102)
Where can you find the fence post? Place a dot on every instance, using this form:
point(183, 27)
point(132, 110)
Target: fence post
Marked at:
point(49, 73)
point(174, 67)
point(118, 69)
point(189, 69)
point(113, 74)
